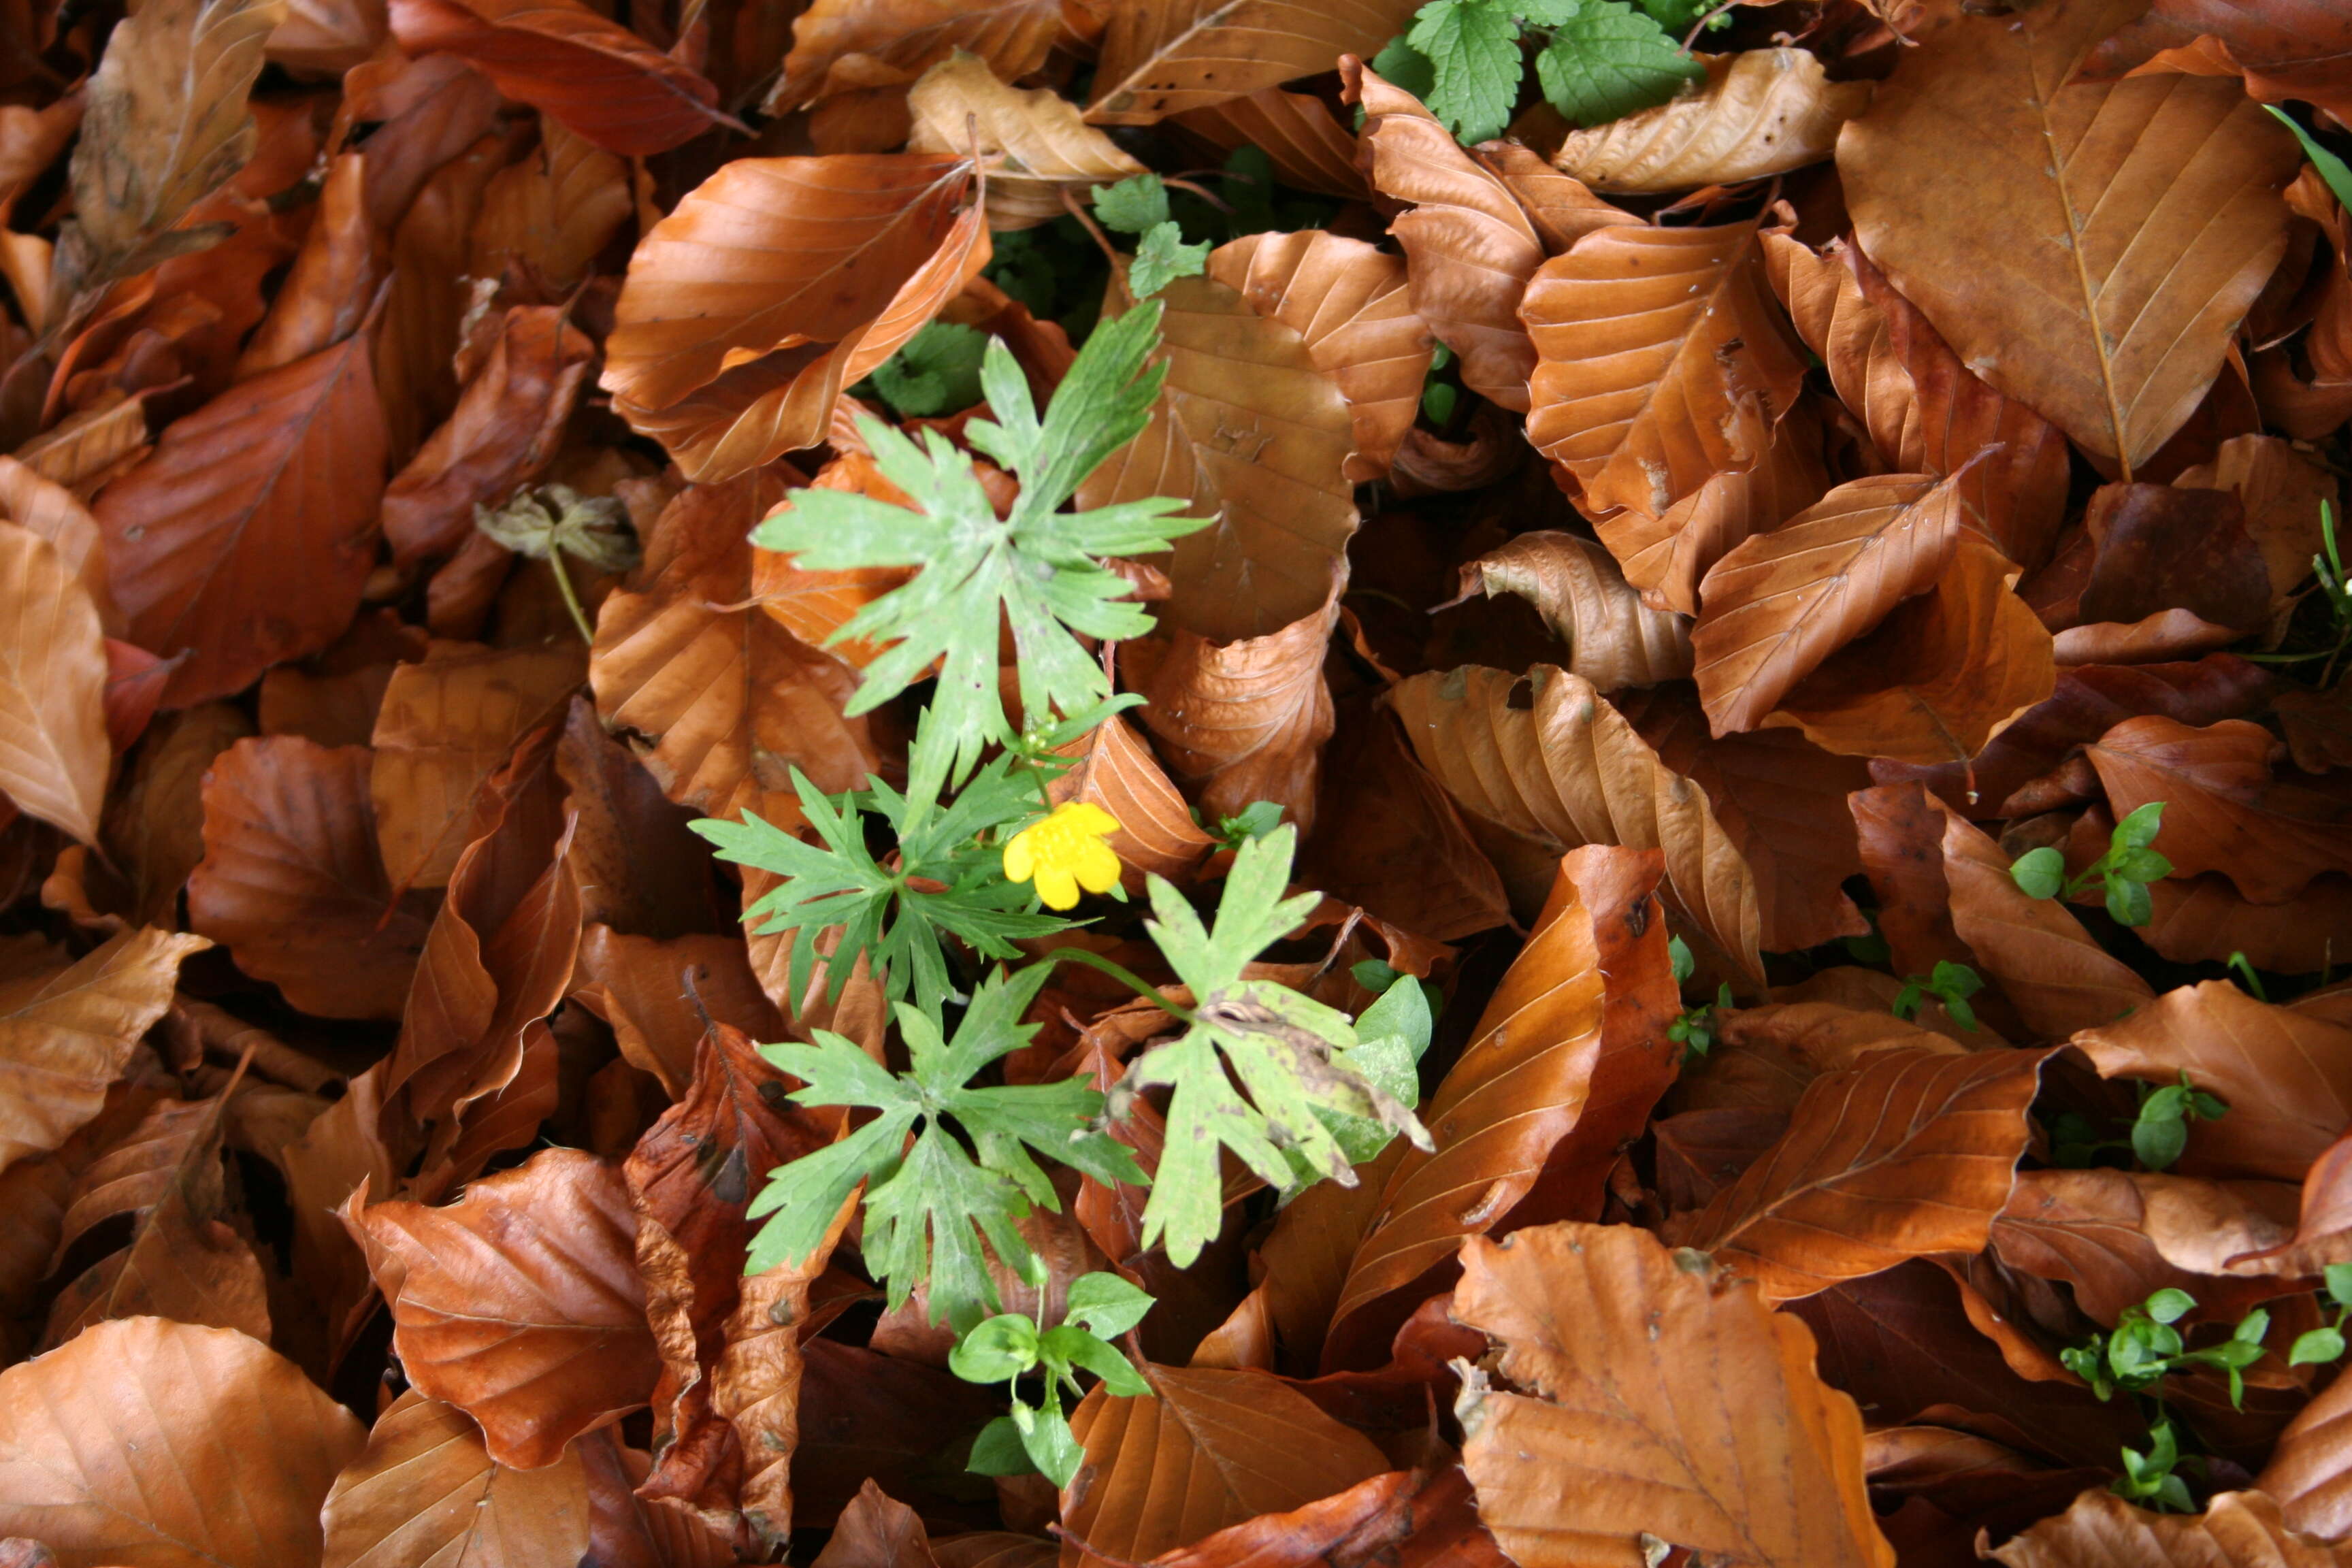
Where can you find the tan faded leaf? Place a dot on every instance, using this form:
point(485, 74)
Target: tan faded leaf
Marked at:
point(1214, 1448)
point(1908, 1153)
point(1762, 112)
point(2116, 1237)
point(1351, 304)
point(1613, 639)
point(427, 1494)
point(161, 1445)
point(1469, 246)
point(1661, 362)
point(66, 1034)
point(1307, 144)
point(2145, 212)
point(1666, 1404)
point(2237, 1530)
point(1252, 432)
point(520, 1303)
point(1163, 56)
point(2310, 1471)
point(1569, 769)
point(1243, 721)
point(1034, 143)
point(840, 43)
point(53, 754)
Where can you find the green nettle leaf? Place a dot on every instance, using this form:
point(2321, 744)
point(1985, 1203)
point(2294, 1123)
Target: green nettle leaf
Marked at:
point(1609, 61)
point(1040, 569)
point(1472, 49)
point(1291, 1053)
point(1402, 65)
point(929, 1203)
point(1162, 257)
point(1134, 205)
point(938, 371)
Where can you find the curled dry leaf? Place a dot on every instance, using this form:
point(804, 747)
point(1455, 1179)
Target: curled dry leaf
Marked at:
point(1665, 1404)
point(446, 723)
point(554, 211)
point(1297, 133)
point(1469, 246)
point(2112, 315)
point(1245, 1443)
point(1252, 432)
point(1613, 639)
point(1163, 56)
point(244, 538)
point(520, 1303)
point(1778, 603)
point(293, 885)
point(1661, 362)
point(1540, 1059)
point(1034, 143)
point(1762, 112)
point(1569, 770)
point(2222, 810)
point(1351, 304)
point(845, 44)
point(2309, 1472)
point(723, 699)
point(426, 1486)
point(2119, 1236)
point(568, 61)
point(1115, 771)
point(2286, 1075)
point(68, 1032)
point(2237, 1530)
point(1908, 1153)
point(169, 1446)
point(2280, 492)
point(775, 284)
point(1244, 720)
point(1562, 208)
point(663, 996)
point(54, 752)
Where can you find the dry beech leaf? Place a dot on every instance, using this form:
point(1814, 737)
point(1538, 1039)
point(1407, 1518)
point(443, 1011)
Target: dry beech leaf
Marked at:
point(67, 1033)
point(1666, 1404)
point(1908, 1153)
point(1778, 603)
point(1469, 248)
point(661, 996)
point(1666, 556)
point(1539, 1060)
point(1244, 720)
point(1310, 149)
point(2309, 1472)
point(2237, 1530)
point(520, 1303)
point(244, 538)
point(1419, 1517)
point(54, 754)
point(40, 504)
point(716, 347)
point(2112, 312)
point(1214, 1448)
point(1115, 771)
point(877, 1530)
point(446, 723)
point(570, 63)
point(1939, 677)
point(1762, 112)
point(838, 43)
point(1034, 143)
point(2281, 492)
point(814, 604)
point(1163, 56)
point(2116, 1237)
point(1252, 432)
point(552, 212)
point(1351, 304)
point(1661, 362)
point(2223, 811)
point(292, 883)
point(331, 286)
point(508, 422)
point(1925, 411)
point(427, 1492)
point(2204, 920)
point(1613, 639)
point(168, 1446)
point(723, 697)
point(2286, 1075)
point(1562, 208)
point(1569, 770)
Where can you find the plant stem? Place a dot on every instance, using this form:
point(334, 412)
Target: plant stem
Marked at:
point(1125, 976)
point(571, 599)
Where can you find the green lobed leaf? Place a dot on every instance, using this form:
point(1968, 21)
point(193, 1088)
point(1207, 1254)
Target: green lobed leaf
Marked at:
point(1134, 206)
point(936, 372)
point(1472, 49)
point(1162, 257)
point(1610, 60)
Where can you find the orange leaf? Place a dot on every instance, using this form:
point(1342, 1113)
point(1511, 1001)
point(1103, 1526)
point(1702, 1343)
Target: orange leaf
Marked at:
point(2223, 811)
point(1163, 56)
point(898, 40)
point(1243, 721)
point(426, 1486)
point(2237, 1530)
point(1156, 833)
point(1666, 1404)
point(54, 751)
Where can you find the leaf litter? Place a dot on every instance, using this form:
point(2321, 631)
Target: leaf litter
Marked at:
point(909, 785)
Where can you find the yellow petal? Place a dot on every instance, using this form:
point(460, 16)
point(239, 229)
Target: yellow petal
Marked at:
point(1088, 818)
point(1021, 856)
point(1096, 866)
point(1057, 887)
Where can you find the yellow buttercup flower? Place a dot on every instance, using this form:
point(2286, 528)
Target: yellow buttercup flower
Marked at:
point(1065, 852)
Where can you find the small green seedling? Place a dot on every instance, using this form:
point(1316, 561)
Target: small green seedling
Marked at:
point(1140, 206)
point(2243, 967)
point(1011, 1346)
point(2125, 869)
point(1257, 819)
point(1950, 984)
point(2161, 1131)
point(1695, 1030)
point(2317, 1347)
point(1597, 60)
point(2148, 1478)
point(2145, 1348)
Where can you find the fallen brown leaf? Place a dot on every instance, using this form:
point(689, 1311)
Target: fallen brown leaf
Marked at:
point(1244, 721)
point(2236, 1529)
point(1162, 56)
point(1762, 112)
point(426, 1486)
point(1613, 639)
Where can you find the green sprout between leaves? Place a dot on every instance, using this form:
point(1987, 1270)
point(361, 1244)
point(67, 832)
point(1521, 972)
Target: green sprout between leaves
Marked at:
point(937, 372)
point(1695, 1030)
point(1950, 984)
point(2319, 1346)
point(2243, 967)
point(1140, 206)
point(2160, 1133)
point(1012, 1346)
point(2125, 869)
point(1596, 61)
point(2135, 1357)
point(1257, 819)
point(552, 521)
